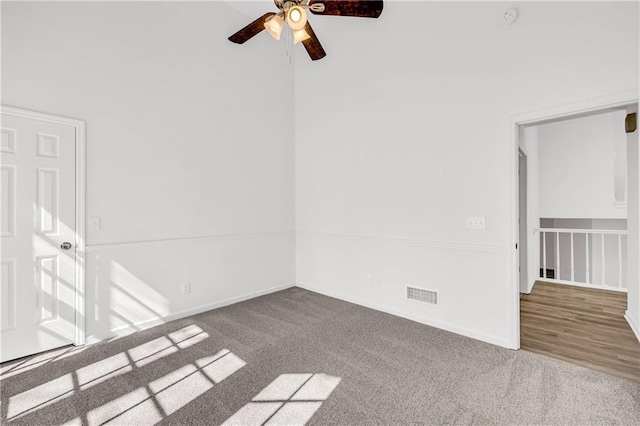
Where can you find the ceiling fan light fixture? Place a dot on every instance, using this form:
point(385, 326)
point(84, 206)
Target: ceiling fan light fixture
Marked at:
point(300, 35)
point(274, 26)
point(296, 18)
point(294, 14)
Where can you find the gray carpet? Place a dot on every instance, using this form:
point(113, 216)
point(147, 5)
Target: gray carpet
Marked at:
point(294, 357)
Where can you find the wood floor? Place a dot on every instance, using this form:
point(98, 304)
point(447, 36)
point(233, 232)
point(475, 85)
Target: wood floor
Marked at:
point(580, 325)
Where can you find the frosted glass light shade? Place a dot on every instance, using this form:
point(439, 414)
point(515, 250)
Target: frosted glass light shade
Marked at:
point(296, 18)
point(274, 26)
point(300, 35)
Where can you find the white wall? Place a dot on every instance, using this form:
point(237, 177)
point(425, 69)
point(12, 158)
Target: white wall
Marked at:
point(401, 133)
point(577, 171)
point(178, 157)
point(528, 142)
point(405, 133)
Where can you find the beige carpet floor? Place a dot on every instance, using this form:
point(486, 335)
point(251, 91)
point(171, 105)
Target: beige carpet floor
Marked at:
point(296, 357)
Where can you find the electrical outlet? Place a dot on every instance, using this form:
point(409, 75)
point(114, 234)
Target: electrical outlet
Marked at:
point(375, 282)
point(477, 222)
point(186, 288)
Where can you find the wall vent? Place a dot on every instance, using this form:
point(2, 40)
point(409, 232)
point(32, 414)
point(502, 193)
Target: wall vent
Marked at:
point(422, 295)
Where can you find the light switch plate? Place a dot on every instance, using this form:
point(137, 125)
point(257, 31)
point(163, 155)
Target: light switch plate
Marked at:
point(186, 288)
point(477, 222)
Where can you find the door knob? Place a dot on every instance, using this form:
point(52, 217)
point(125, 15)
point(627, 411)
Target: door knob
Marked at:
point(66, 245)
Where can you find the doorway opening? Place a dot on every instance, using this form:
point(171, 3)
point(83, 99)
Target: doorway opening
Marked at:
point(571, 254)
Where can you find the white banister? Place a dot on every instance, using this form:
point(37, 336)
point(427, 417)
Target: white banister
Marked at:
point(584, 231)
point(569, 248)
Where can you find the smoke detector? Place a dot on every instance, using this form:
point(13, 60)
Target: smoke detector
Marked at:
point(508, 17)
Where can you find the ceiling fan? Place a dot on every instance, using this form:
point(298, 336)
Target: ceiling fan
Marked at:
point(293, 13)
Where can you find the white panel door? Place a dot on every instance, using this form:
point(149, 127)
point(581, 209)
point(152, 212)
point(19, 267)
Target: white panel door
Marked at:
point(38, 218)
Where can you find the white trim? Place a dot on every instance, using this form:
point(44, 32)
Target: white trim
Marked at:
point(597, 105)
point(444, 326)
point(620, 205)
point(80, 178)
point(634, 327)
point(123, 331)
point(530, 285)
point(578, 284)
point(575, 109)
point(216, 237)
point(414, 242)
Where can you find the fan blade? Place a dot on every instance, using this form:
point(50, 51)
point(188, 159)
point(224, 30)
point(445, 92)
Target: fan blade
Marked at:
point(313, 46)
point(250, 30)
point(359, 8)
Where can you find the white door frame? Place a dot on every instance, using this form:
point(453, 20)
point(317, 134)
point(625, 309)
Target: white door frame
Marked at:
point(80, 128)
point(572, 110)
point(523, 220)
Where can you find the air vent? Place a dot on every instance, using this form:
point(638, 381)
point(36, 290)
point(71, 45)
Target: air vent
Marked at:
point(422, 295)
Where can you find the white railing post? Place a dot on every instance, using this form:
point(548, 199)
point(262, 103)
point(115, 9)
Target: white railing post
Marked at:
point(556, 274)
point(573, 278)
point(586, 256)
point(620, 260)
point(544, 255)
point(603, 274)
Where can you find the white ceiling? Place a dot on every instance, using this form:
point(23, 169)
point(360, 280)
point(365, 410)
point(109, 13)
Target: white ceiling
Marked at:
point(253, 8)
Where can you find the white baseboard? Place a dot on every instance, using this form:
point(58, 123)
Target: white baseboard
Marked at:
point(577, 284)
point(634, 326)
point(124, 331)
point(444, 326)
point(530, 286)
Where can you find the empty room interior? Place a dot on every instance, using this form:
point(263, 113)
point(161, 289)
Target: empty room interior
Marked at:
point(345, 212)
